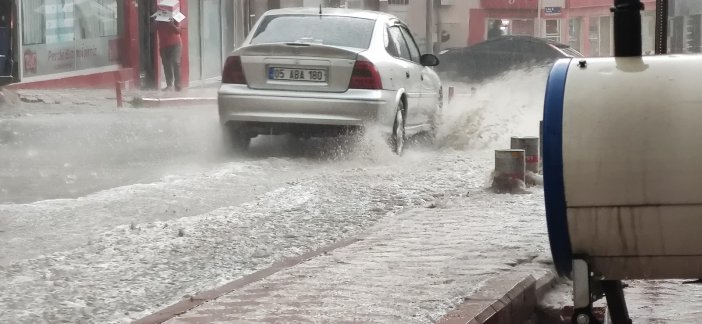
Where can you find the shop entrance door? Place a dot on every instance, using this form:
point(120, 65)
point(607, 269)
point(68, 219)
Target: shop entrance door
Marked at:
point(211, 38)
point(7, 42)
point(148, 64)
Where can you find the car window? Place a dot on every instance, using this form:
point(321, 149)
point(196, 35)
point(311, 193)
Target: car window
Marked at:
point(414, 50)
point(329, 30)
point(390, 44)
point(400, 43)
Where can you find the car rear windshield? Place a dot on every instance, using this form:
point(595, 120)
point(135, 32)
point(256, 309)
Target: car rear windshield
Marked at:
point(328, 30)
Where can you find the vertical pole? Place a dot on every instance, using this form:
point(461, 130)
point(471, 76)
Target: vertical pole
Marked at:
point(627, 27)
point(201, 21)
point(538, 19)
point(20, 36)
point(439, 29)
point(428, 46)
point(118, 93)
point(616, 303)
point(582, 293)
point(185, 46)
point(661, 26)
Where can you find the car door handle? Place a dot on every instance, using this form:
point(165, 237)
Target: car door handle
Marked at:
point(407, 74)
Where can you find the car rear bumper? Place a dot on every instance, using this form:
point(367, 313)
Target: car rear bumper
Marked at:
point(238, 103)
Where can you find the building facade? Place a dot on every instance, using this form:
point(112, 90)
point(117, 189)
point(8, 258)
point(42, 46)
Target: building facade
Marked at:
point(92, 43)
point(590, 27)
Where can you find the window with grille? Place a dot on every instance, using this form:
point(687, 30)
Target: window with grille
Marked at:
point(398, 2)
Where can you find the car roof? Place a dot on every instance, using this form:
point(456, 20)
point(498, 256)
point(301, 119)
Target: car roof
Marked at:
point(367, 14)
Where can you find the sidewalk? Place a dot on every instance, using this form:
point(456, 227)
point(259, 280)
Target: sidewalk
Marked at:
point(414, 267)
point(189, 96)
point(107, 98)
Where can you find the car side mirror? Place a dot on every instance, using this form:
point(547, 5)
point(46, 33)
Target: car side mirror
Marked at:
point(429, 60)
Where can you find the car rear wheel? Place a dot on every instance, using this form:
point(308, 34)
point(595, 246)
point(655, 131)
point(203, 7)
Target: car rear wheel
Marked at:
point(397, 141)
point(235, 138)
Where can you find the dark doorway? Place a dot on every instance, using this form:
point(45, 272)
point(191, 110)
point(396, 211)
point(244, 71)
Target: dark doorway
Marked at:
point(147, 43)
point(7, 42)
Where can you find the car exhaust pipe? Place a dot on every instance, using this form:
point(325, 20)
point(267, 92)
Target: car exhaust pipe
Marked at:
point(627, 27)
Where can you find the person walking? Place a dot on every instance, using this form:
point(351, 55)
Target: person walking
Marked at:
point(170, 50)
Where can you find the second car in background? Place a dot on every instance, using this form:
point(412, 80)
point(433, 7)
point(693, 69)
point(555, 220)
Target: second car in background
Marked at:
point(493, 57)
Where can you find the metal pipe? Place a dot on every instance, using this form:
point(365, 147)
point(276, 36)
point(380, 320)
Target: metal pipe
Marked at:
point(539, 21)
point(627, 27)
point(661, 26)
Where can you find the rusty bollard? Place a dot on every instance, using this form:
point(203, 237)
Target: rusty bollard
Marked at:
point(510, 171)
point(530, 145)
point(541, 146)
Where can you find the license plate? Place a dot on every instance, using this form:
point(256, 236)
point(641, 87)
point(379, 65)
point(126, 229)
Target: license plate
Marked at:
point(291, 74)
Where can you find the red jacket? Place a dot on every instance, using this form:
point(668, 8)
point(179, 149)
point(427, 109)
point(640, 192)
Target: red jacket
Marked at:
point(168, 33)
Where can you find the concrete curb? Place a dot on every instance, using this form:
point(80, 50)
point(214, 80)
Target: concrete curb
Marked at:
point(187, 304)
point(509, 298)
point(171, 102)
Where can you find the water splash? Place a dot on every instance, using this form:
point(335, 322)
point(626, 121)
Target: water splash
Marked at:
point(486, 115)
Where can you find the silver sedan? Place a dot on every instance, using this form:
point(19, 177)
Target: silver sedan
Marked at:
point(323, 72)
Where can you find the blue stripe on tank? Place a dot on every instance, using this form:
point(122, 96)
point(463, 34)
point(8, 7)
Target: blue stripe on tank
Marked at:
point(554, 189)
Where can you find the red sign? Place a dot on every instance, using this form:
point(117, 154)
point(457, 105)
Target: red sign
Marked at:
point(509, 4)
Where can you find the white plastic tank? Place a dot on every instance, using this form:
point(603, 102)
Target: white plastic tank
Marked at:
point(623, 165)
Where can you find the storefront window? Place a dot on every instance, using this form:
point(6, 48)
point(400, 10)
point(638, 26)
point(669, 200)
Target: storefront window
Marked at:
point(692, 35)
point(648, 28)
point(574, 32)
point(33, 21)
point(514, 26)
point(606, 36)
point(522, 27)
point(594, 36)
point(69, 35)
point(553, 30)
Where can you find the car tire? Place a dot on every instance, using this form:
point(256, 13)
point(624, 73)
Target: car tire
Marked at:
point(236, 139)
point(399, 136)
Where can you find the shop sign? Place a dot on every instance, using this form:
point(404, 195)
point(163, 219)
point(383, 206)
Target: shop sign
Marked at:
point(43, 59)
point(552, 11)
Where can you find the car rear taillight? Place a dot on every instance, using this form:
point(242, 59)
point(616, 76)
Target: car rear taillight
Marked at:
point(233, 71)
point(365, 76)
